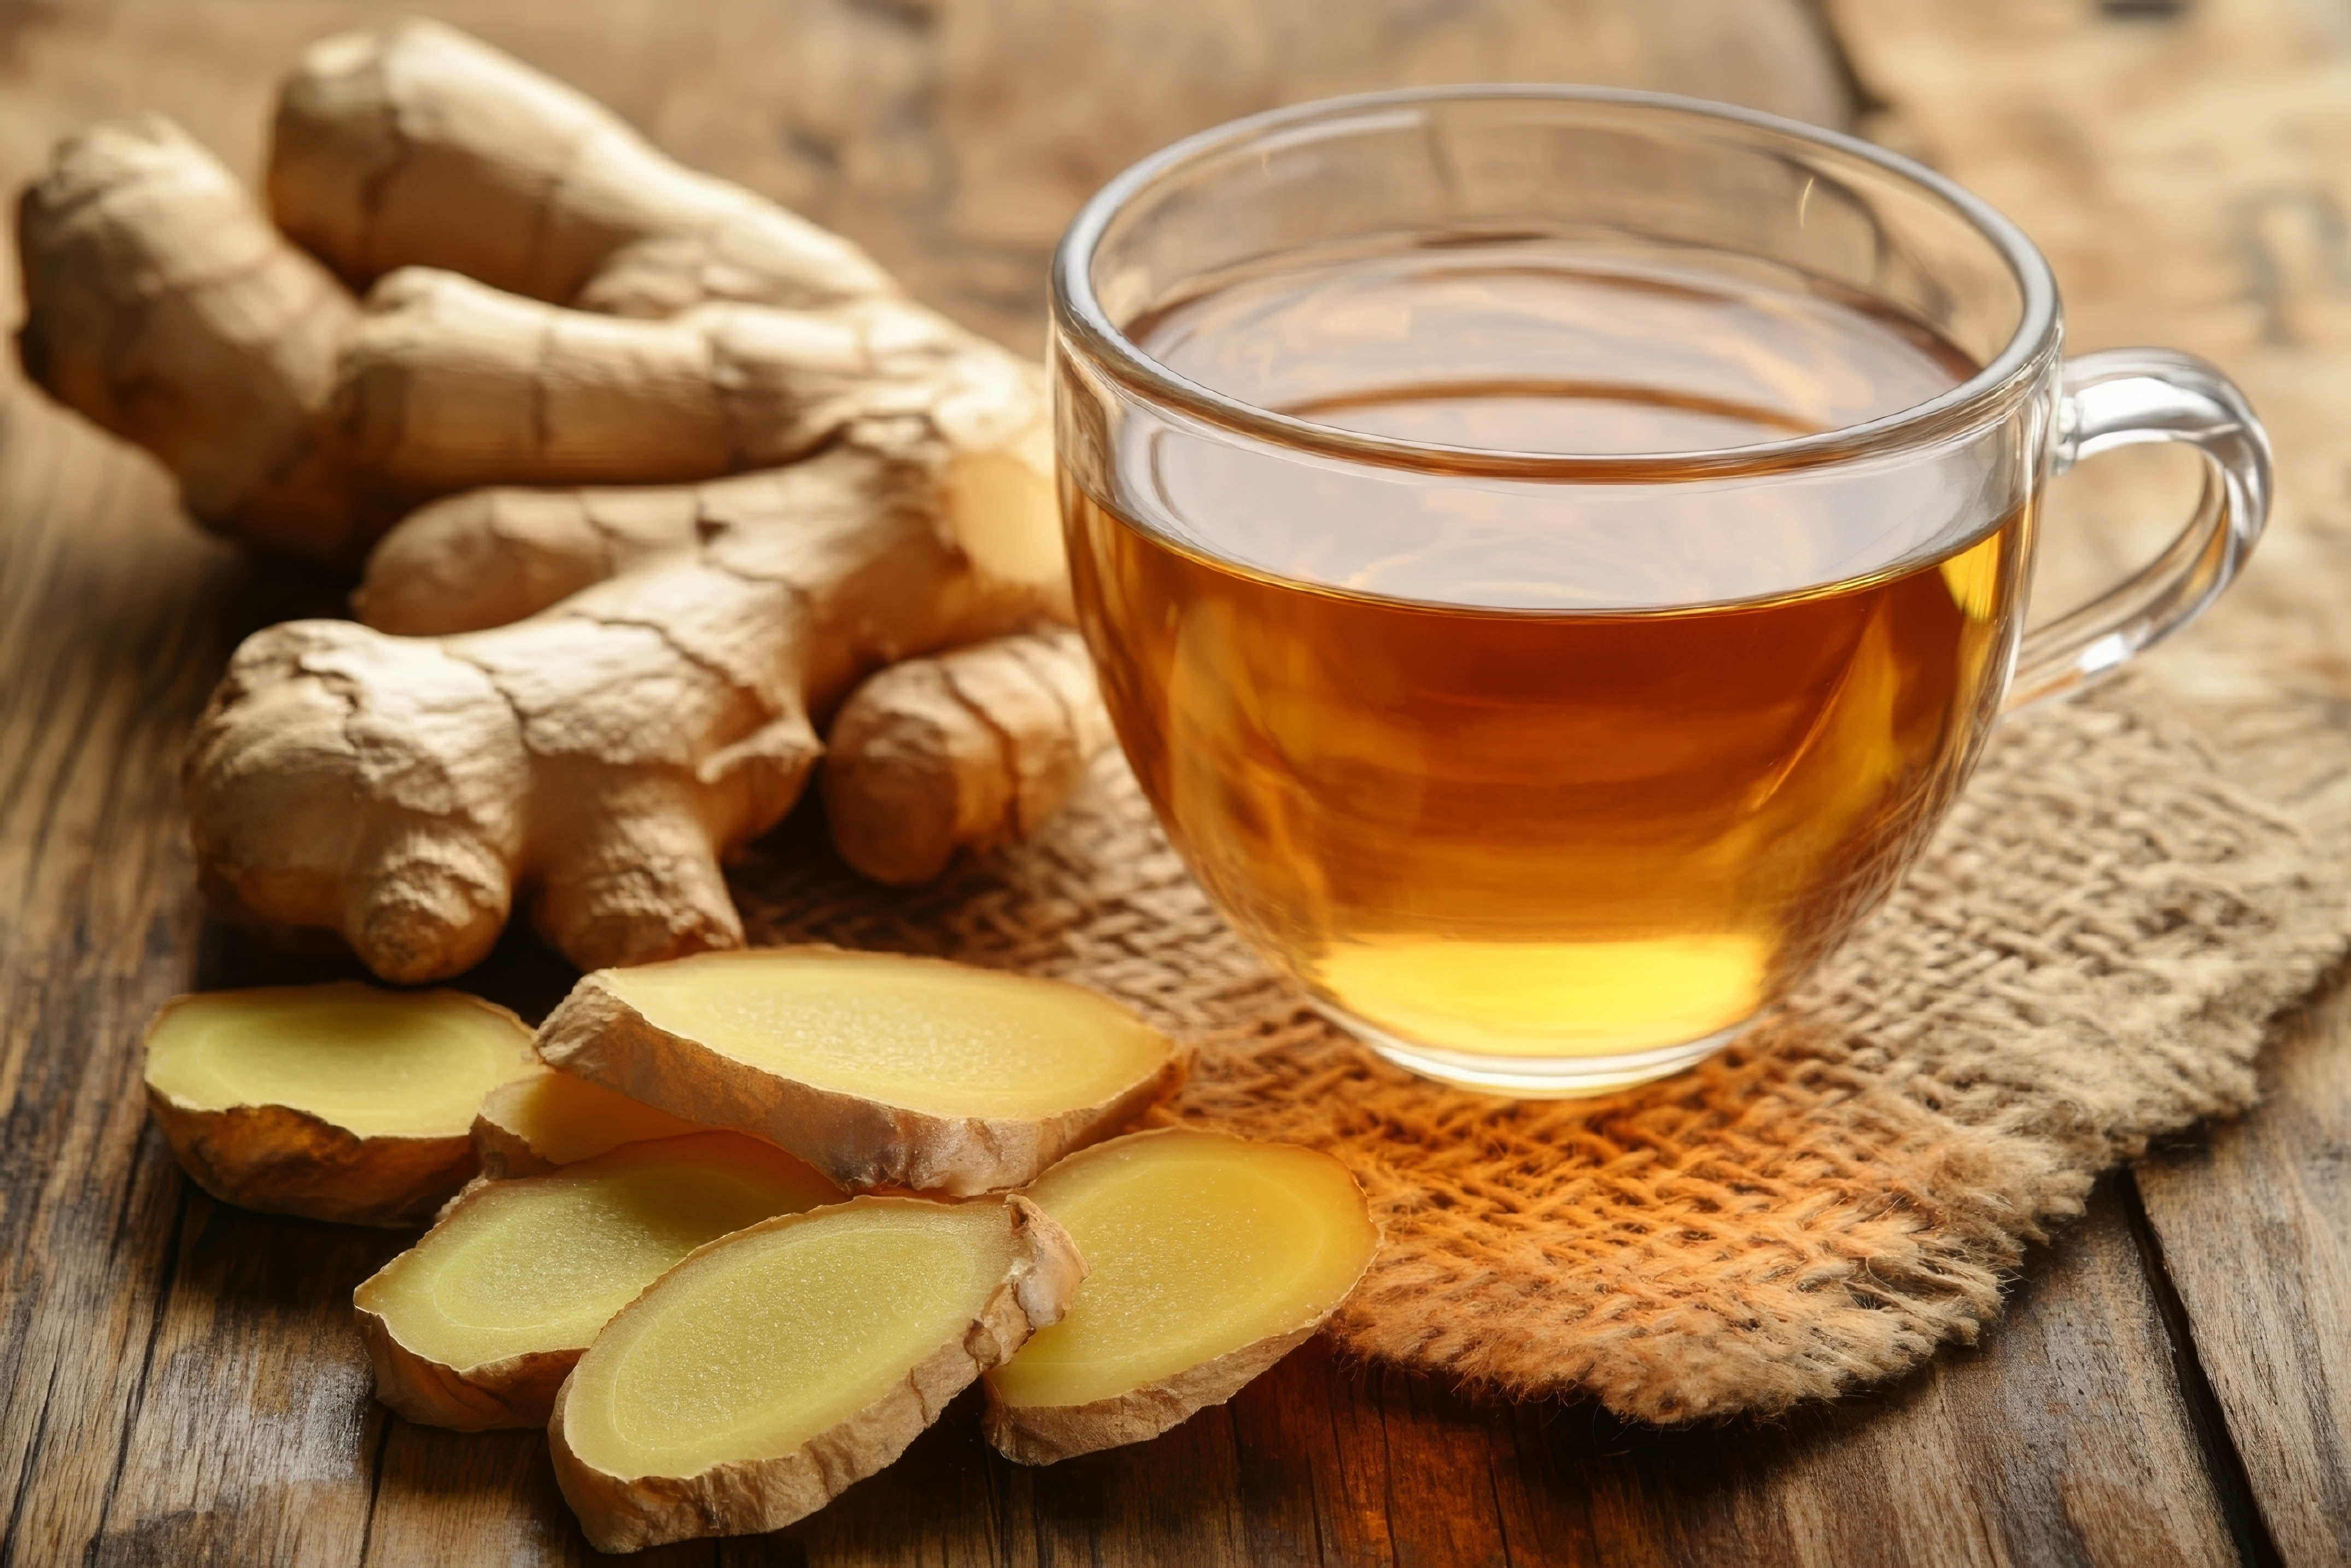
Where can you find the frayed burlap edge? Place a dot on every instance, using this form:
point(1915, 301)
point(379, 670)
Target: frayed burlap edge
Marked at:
point(2085, 958)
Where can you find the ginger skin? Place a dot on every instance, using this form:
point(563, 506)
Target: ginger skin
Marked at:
point(298, 417)
point(160, 304)
point(967, 750)
point(420, 147)
point(775, 477)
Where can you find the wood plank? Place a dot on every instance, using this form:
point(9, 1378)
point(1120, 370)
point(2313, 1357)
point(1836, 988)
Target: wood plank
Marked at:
point(105, 666)
point(2254, 1224)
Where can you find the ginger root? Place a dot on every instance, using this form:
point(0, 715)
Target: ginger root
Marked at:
point(875, 1067)
point(769, 1371)
point(161, 305)
point(476, 1325)
point(422, 147)
point(602, 755)
point(962, 751)
point(777, 477)
point(1211, 1257)
point(336, 1102)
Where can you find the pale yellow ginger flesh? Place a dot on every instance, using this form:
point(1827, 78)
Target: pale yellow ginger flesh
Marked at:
point(475, 1325)
point(549, 1119)
point(336, 1101)
point(375, 1064)
point(782, 1338)
point(945, 1038)
point(878, 1068)
point(1212, 1256)
point(543, 1262)
point(768, 1372)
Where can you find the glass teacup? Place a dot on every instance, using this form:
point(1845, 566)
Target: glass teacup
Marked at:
point(1553, 554)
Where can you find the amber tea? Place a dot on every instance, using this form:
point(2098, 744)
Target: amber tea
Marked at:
point(1541, 771)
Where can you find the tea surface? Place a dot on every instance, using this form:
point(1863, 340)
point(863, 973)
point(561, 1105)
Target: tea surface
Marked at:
point(1518, 349)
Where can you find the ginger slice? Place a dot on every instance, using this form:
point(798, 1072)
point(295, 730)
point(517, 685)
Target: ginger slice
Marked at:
point(476, 1325)
point(759, 1378)
point(877, 1069)
point(1211, 1257)
point(549, 1120)
point(336, 1102)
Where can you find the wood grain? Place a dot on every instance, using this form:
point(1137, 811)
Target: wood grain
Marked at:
point(182, 1387)
point(101, 670)
point(255, 1324)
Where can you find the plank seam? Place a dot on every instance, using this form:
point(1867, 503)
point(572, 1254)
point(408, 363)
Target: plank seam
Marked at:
point(61, 784)
point(164, 1290)
point(32, 1463)
point(1388, 1484)
point(375, 1483)
point(2240, 1507)
point(1494, 1494)
point(18, 777)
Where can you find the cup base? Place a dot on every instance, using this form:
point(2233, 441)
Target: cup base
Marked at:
point(1532, 1077)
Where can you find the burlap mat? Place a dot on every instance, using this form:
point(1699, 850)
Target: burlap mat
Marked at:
point(2085, 958)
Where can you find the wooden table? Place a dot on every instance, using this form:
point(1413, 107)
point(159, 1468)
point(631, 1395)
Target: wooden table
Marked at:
point(2172, 1383)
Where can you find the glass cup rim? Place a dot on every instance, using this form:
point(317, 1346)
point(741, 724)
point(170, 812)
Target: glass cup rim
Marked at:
point(1982, 398)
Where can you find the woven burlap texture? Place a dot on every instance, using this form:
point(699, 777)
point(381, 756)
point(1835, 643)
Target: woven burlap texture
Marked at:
point(2084, 958)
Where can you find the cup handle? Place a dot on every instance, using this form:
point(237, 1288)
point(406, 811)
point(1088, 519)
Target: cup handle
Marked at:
point(2117, 398)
